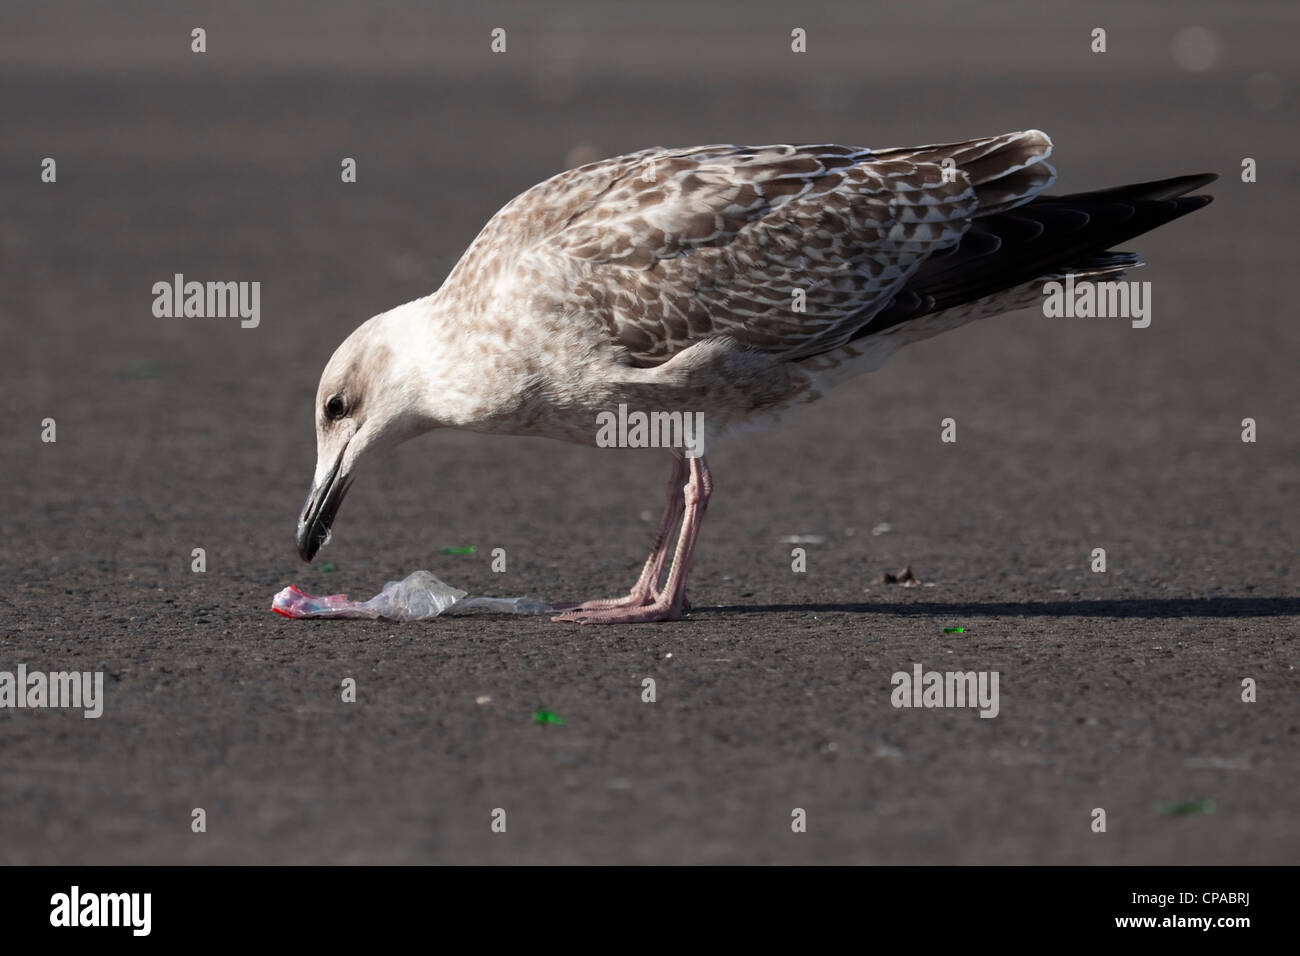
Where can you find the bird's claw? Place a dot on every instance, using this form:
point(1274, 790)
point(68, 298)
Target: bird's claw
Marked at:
point(643, 614)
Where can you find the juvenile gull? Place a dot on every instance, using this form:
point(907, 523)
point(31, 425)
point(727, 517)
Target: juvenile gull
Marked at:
point(739, 282)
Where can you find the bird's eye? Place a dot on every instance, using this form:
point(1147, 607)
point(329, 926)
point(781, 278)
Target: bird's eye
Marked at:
point(334, 407)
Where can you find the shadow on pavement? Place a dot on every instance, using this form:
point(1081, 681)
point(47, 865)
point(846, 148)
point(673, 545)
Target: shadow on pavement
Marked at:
point(1136, 607)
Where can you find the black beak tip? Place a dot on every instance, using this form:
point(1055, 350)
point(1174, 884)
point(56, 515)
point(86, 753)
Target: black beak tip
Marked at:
point(308, 543)
point(318, 513)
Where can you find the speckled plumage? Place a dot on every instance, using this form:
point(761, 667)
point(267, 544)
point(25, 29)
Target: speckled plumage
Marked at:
point(666, 278)
point(737, 282)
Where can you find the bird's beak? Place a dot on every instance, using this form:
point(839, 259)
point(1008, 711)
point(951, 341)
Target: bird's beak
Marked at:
point(319, 510)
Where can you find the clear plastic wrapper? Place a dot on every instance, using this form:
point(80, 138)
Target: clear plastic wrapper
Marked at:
point(417, 597)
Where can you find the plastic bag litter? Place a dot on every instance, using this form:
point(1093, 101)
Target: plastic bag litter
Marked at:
point(419, 596)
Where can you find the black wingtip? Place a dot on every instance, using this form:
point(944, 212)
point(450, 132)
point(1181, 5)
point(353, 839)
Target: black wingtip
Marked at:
point(1201, 179)
point(1178, 185)
point(1156, 189)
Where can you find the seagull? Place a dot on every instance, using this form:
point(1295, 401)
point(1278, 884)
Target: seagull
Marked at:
point(732, 283)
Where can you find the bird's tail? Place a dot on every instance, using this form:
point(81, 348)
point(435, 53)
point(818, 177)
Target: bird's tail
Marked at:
point(1045, 238)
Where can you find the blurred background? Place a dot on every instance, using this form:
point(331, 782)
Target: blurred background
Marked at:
point(183, 433)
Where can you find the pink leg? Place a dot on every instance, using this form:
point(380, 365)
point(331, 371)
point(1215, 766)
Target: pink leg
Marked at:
point(667, 605)
point(646, 588)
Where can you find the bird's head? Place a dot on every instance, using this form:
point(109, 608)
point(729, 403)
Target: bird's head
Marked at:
point(370, 397)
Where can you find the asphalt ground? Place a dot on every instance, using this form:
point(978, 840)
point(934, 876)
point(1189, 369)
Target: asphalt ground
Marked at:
point(1119, 690)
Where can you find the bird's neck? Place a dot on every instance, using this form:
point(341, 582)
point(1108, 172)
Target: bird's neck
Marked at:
point(454, 371)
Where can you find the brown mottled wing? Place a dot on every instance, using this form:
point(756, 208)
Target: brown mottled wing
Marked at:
point(669, 247)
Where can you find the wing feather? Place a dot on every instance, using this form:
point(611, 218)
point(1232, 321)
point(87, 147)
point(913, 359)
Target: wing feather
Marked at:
point(787, 249)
